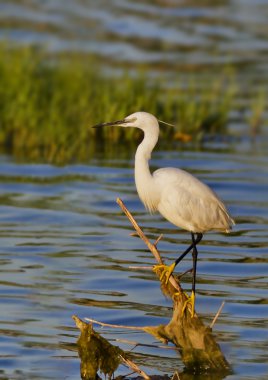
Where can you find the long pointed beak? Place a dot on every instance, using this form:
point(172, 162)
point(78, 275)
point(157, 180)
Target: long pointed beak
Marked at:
point(113, 123)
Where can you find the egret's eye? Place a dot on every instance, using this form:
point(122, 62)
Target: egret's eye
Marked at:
point(132, 120)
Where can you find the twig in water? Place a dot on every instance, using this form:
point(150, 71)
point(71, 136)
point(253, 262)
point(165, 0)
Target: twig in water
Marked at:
point(158, 240)
point(176, 376)
point(217, 315)
point(152, 247)
point(150, 268)
point(137, 344)
point(135, 368)
point(114, 326)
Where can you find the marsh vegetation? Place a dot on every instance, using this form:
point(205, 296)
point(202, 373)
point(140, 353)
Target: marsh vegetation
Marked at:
point(48, 104)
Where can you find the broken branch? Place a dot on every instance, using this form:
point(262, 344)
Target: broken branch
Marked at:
point(152, 247)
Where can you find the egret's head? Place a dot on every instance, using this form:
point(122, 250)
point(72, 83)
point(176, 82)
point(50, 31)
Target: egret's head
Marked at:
point(141, 120)
point(136, 120)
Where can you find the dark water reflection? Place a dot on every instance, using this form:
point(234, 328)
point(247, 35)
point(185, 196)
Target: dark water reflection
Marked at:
point(65, 249)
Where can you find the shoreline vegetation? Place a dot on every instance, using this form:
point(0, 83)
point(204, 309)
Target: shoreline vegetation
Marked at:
point(48, 104)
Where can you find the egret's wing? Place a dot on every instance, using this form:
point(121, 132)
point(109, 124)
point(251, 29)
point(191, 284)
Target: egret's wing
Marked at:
point(189, 203)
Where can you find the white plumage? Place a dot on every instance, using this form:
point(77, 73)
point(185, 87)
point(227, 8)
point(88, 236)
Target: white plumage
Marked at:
point(189, 203)
point(179, 196)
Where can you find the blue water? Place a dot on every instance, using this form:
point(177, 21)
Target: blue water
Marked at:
point(168, 35)
point(65, 249)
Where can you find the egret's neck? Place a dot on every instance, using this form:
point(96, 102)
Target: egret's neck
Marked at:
point(143, 177)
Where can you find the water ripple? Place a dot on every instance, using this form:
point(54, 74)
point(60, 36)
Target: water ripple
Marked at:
point(66, 249)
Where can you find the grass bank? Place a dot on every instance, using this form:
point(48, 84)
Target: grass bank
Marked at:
point(47, 105)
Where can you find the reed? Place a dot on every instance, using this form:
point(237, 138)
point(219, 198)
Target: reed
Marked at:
point(257, 109)
point(48, 103)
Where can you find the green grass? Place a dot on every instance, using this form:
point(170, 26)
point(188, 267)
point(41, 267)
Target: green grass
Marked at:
point(257, 108)
point(48, 104)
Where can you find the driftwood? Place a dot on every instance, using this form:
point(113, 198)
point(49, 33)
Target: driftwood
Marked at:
point(198, 348)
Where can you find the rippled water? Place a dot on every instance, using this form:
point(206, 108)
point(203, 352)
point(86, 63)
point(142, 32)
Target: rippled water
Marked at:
point(163, 33)
point(65, 249)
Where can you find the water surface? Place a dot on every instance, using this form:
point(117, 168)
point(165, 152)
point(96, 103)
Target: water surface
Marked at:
point(165, 34)
point(65, 249)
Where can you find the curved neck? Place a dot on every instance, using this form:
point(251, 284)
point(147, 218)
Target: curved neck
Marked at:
point(143, 176)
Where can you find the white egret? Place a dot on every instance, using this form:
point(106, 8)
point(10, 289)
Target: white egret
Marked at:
point(179, 196)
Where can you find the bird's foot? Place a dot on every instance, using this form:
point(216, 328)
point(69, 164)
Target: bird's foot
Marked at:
point(190, 301)
point(164, 271)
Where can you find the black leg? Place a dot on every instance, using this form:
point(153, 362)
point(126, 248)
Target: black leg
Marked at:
point(194, 254)
point(167, 271)
point(195, 241)
point(191, 299)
